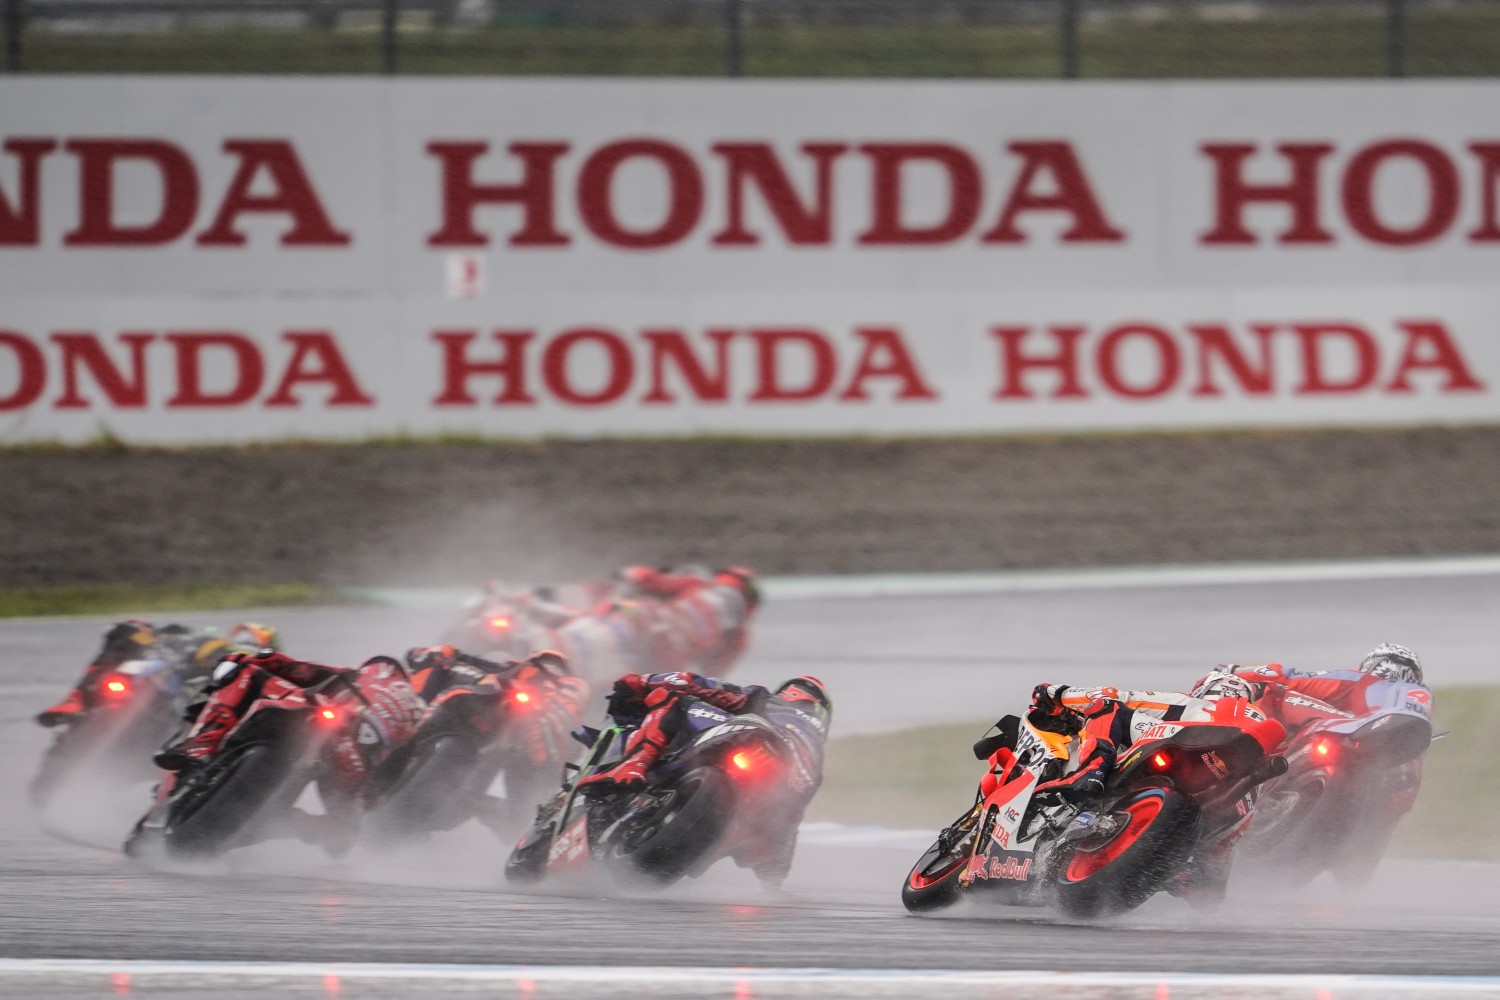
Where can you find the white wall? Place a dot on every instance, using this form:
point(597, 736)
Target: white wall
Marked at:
point(187, 260)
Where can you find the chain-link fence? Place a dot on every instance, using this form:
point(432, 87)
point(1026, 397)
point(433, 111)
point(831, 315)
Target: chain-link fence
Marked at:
point(914, 38)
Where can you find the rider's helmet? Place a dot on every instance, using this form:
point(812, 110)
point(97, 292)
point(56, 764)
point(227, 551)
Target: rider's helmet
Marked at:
point(1391, 662)
point(805, 688)
point(127, 639)
point(742, 578)
point(1219, 683)
point(248, 636)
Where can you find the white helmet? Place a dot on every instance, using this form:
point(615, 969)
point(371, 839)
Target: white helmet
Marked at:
point(1391, 662)
point(1222, 683)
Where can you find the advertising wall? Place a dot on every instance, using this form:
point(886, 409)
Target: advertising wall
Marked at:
point(206, 260)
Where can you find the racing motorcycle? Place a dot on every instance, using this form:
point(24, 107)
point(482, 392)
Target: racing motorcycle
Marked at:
point(512, 619)
point(1181, 792)
point(726, 787)
point(245, 793)
point(474, 731)
point(128, 710)
point(1351, 777)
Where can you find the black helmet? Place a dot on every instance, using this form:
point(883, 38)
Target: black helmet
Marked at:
point(805, 688)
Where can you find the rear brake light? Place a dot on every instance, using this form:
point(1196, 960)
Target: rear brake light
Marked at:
point(523, 697)
point(328, 715)
point(116, 687)
point(1161, 761)
point(742, 761)
point(1323, 748)
point(500, 622)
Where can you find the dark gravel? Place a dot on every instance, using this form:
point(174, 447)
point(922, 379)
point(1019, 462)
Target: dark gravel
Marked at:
point(455, 513)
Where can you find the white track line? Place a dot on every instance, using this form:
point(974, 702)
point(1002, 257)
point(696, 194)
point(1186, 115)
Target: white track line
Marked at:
point(791, 588)
point(1346, 985)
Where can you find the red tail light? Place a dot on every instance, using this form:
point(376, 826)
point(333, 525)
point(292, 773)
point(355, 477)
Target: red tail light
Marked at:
point(1323, 749)
point(116, 686)
point(328, 715)
point(1161, 761)
point(499, 623)
point(742, 761)
point(750, 761)
point(522, 697)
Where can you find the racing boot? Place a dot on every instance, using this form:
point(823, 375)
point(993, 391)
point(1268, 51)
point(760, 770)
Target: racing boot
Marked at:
point(1096, 758)
point(645, 746)
point(64, 711)
point(218, 717)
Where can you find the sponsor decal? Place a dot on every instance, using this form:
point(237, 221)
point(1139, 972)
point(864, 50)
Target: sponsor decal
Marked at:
point(1322, 706)
point(1011, 869)
point(707, 713)
point(570, 844)
point(1001, 836)
point(1215, 764)
point(1160, 730)
point(1012, 815)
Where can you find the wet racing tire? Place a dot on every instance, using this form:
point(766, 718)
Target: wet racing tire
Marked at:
point(223, 807)
point(660, 848)
point(932, 882)
point(428, 794)
point(1110, 875)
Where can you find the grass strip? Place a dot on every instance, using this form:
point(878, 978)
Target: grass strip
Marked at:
point(924, 778)
point(125, 599)
point(1458, 41)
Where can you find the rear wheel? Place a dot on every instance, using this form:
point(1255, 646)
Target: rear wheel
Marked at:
point(673, 839)
point(225, 807)
point(1283, 810)
point(428, 795)
point(932, 882)
point(1151, 839)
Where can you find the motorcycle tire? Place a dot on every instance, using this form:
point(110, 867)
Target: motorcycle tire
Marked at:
point(932, 882)
point(1113, 876)
point(528, 860)
point(675, 840)
point(207, 821)
point(1283, 815)
point(1358, 857)
point(427, 796)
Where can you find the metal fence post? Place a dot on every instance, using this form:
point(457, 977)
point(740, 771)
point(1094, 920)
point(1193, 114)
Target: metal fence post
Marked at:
point(1395, 38)
point(389, 12)
point(1068, 30)
point(734, 55)
point(14, 19)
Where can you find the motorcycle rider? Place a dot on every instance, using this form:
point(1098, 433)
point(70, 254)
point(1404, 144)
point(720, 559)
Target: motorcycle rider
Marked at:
point(389, 704)
point(654, 708)
point(651, 620)
point(191, 653)
point(1343, 689)
point(1108, 721)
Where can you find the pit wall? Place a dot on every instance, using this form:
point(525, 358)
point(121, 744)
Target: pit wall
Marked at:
point(226, 260)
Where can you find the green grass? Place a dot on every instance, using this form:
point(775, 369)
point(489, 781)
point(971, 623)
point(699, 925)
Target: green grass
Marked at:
point(127, 600)
point(924, 778)
point(1464, 41)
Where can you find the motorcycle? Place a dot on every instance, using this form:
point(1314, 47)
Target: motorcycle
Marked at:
point(245, 793)
point(1181, 792)
point(128, 710)
point(472, 733)
point(1351, 777)
point(515, 619)
point(726, 786)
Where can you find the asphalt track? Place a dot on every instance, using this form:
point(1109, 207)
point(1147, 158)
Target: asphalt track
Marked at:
point(418, 923)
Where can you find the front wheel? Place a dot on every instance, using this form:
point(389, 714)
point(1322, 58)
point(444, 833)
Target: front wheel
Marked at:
point(932, 882)
point(1151, 838)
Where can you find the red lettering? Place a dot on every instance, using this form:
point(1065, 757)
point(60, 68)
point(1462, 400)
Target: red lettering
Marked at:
point(771, 378)
point(1217, 342)
point(510, 368)
point(619, 367)
point(1014, 364)
point(1488, 230)
point(31, 371)
point(249, 369)
point(1168, 362)
point(1316, 340)
point(756, 162)
point(97, 226)
point(316, 358)
point(1234, 192)
point(1072, 194)
point(596, 206)
point(84, 349)
point(1359, 192)
point(888, 163)
point(293, 196)
point(705, 386)
point(20, 226)
point(885, 356)
point(1430, 346)
point(462, 195)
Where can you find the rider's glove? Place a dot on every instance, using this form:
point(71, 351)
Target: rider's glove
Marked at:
point(628, 697)
point(1046, 699)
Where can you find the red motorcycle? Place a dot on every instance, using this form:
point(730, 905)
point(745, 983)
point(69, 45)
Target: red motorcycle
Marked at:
point(1182, 792)
point(331, 734)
